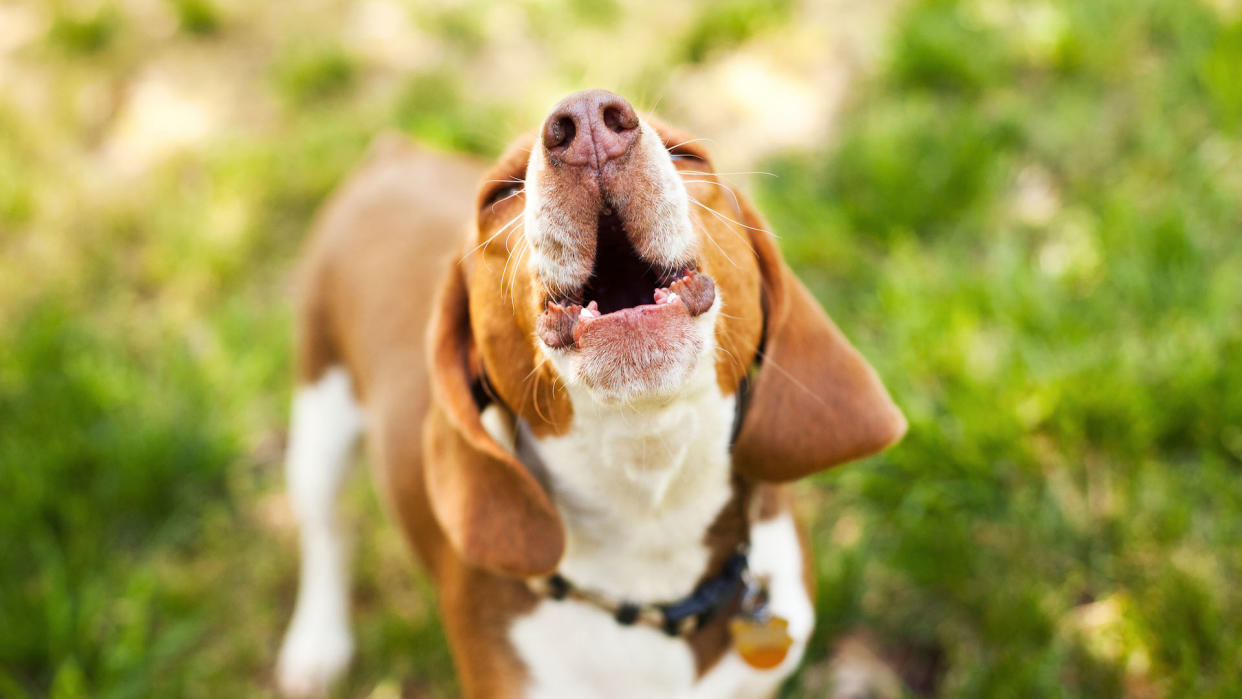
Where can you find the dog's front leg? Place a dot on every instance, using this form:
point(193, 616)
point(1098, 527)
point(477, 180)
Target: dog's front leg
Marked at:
point(318, 646)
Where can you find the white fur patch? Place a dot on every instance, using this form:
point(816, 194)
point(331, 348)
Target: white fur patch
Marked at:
point(499, 426)
point(326, 422)
point(573, 650)
point(555, 254)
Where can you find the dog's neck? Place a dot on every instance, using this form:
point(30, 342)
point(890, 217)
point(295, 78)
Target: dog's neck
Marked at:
point(638, 487)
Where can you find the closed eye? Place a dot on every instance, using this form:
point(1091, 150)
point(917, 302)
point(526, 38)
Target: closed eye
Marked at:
point(505, 189)
point(688, 153)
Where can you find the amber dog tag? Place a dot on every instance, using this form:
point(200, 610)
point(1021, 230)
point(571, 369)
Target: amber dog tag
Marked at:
point(763, 644)
point(760, 637)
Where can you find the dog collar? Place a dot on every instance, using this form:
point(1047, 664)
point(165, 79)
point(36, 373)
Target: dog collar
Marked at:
point(679, 618)
point(760, 637)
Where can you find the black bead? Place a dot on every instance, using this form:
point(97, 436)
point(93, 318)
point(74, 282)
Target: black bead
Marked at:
point(558, 587)
point(627, 613)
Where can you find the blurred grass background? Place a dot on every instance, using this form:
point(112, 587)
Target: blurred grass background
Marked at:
point(1027, 214)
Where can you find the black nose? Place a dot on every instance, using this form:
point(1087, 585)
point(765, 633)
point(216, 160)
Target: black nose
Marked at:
point(589, 128)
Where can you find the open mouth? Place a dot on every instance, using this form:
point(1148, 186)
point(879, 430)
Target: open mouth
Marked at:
point(623, 288)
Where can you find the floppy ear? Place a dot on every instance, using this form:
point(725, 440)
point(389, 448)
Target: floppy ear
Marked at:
point(816, 402)
point(493, 511)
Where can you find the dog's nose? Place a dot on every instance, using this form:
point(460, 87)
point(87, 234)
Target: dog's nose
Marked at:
point(590, 128)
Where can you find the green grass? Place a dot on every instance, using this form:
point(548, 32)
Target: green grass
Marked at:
point(1028, 218)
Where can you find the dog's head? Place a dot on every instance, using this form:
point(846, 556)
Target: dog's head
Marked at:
point(610, 266)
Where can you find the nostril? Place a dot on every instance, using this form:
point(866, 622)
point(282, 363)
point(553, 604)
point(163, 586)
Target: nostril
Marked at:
point(560, 133)
point(619, 119)
point(589, 128)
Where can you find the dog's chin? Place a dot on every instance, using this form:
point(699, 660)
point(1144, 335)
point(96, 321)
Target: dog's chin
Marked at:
point(637, 354)
point(631, 353)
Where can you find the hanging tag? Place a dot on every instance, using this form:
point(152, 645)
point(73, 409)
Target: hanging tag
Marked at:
point(763, 644)
point(760, 637)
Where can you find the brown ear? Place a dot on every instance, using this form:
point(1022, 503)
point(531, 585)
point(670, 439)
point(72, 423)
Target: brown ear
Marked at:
point(816, 402)
point(493, 511)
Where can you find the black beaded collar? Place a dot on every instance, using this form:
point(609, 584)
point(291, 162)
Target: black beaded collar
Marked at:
point(679, 618)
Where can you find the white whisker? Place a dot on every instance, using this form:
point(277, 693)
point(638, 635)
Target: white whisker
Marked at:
point(732, 230)
point(713, 242)
point(651, 110)
point(740, 172)
point(768, 361)
point(490, 238)
point(516, 192)
point(514, 259)
point(729, 190)
point(693, 140)
point(732, 357)
point(726, 218)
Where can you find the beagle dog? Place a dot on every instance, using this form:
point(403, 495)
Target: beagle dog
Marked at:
point(580, 413)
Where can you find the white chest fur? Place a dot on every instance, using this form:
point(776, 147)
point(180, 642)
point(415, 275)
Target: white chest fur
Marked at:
point(638, 488)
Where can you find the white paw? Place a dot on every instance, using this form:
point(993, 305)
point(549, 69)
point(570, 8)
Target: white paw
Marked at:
point(313, 657)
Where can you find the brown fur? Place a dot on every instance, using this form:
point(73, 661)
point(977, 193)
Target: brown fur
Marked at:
point(495, 513)
point(505, 303)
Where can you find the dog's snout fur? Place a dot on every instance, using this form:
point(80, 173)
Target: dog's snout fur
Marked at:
point(588, 129)
point(596, 156)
